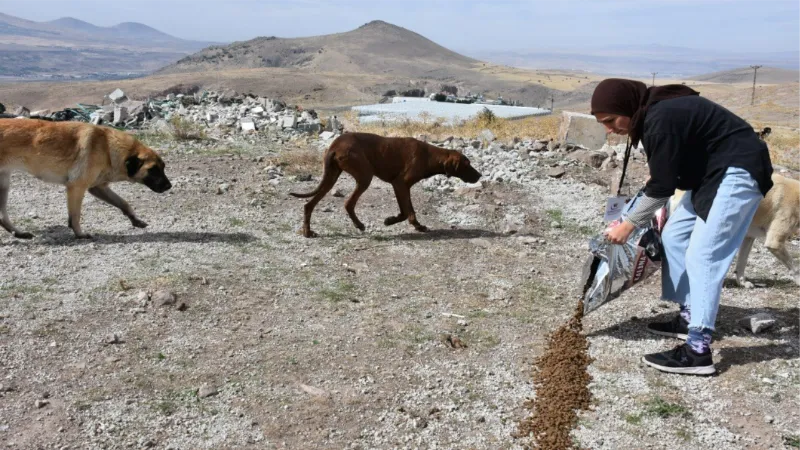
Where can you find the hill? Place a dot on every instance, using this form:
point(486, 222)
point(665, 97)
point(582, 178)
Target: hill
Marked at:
point(766, 75)
point(70, 48)
point(376, 47)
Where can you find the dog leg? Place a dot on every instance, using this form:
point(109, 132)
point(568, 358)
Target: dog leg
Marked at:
point(391, 220)
point(403, 192)
point(105, 194)
point(350, 204)
point(741, 262)
point(5, 222)
point(328, 180)
point(778, 248)
point(75, 195)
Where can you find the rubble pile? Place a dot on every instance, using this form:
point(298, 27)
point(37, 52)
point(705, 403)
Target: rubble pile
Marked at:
point(222, 110)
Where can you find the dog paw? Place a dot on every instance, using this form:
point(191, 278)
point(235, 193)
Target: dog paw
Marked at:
point(422, 228)
point(360, 226)
point(307, 233)
point(84, 236)
point(138, 223)
point(391, 220)
point(22, 235)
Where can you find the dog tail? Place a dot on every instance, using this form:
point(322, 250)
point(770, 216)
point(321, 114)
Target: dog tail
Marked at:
point(328, 169)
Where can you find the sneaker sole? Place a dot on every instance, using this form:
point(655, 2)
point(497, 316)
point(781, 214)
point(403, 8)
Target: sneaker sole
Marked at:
point(681, 336)
point(701, 370)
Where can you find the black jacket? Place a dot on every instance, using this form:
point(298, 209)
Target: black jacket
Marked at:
point(691, 141)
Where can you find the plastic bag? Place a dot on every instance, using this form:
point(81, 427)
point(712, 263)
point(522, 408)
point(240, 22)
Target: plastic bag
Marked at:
point(614, 268)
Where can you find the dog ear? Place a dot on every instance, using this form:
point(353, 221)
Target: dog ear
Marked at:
point(451, 165)
point(132, 165)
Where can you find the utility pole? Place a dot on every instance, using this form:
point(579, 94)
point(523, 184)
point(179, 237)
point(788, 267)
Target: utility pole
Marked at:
point(755, 71)
point(654, 79)
point(551, 102)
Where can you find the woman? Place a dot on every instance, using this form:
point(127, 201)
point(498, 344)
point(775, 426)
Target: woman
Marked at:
point(698, 146)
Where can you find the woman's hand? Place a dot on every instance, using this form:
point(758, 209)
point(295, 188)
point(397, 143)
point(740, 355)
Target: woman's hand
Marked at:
point(620, 233)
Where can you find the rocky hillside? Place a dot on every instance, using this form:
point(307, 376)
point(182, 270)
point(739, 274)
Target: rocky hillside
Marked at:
point(376, 47)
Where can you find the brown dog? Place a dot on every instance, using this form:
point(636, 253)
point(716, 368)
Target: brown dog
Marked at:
point(399, 161)
point(82, 157)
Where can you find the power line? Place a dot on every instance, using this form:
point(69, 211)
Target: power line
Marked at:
point(755, 71)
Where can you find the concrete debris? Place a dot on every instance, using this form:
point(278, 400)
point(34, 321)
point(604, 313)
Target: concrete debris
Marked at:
point(117, 96)
point(582, 130)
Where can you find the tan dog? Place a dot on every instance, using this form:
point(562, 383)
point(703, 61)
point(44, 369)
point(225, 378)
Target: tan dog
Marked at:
point(777, 219)
point(82, 157)
point(400, 161)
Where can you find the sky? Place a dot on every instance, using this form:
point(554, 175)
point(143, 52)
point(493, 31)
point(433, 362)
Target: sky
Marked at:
point(461, 25)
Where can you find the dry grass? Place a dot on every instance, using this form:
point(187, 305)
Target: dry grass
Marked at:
point(784, 146)
point(298, 162)
point(542, 127)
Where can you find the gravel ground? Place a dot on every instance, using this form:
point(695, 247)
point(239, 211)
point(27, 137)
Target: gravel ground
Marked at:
point(219, 327)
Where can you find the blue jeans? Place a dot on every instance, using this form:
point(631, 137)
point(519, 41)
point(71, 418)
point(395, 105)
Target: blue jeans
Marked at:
point(699, 254)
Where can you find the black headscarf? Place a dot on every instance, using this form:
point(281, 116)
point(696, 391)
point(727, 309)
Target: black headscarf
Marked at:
point(631, 98)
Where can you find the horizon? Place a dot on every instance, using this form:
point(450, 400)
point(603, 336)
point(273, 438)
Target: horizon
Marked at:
point(775, 24)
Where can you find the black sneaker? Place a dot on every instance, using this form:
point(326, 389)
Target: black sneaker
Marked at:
point(681, 359)
point(675, 328)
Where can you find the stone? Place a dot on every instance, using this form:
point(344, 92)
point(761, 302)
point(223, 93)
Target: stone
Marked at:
point(288, 122)
point(247, 124)
point(257, 111)
point(207, 390)
point(223, 188)
point(581, 129)
point(111, 339)
point(117, 96)
point(487, 136)
point(41, 113)
point(475, 144)
point(120, 114)
point(338, 193)
point(539, 146)
point(608, 164)
point(333, 124)
point(22, 112)
point(41, 403)
point(590, 158)
point(212, 117)
point(556, 172)
point(758, 323)
point(310, 127)
point(163, 298)
point(325, 135)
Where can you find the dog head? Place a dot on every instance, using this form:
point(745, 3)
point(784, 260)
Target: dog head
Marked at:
point(458, 165)
point(144, 166)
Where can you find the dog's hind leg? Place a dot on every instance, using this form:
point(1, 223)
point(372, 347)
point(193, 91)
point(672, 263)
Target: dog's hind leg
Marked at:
point(105, 194)
point(75, 194)
point(776, 243)
point(5, 222)
point(741, 262)
point(332, 172)
point(361, 171)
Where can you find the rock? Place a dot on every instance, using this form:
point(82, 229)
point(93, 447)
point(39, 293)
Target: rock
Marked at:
point(303, 177)
point(608, 164)
point(487, 136)
point(475, 144)
point(555, 224)
point(539, 146)
point(223, 188)
point(556, 172)
point(211, 117)
point(163, 298)
point(41, 403)
point(758, 323)
point(207, 390)
point(590, 158)
point(41, 113)
point(22, 112)
point(581, 129)
point(112, 339)
point(769, 419)
point(117, 96)
point(422, 137)
point(325, 135)
point(247, 124)
point(288, 122)
point(333, 124)
point(338, 193)
point(120, 114)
